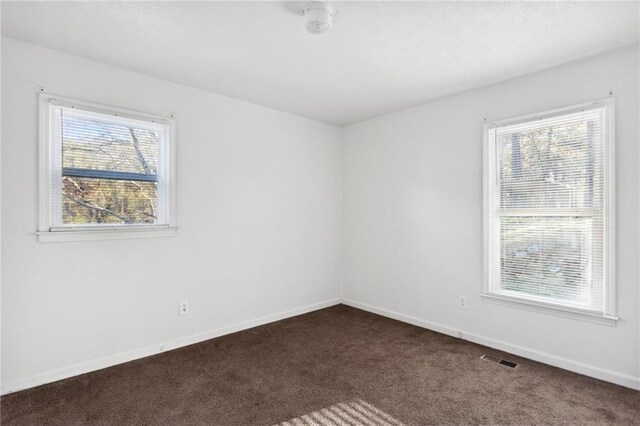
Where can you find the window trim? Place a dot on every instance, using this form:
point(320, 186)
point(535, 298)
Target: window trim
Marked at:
point(609, 315)
point(47, 232)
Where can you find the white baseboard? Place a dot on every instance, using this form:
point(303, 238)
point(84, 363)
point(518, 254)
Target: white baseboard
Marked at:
point(111, 360)
point(556, 361)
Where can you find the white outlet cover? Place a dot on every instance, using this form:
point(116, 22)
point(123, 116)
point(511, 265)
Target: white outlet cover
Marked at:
point(462, 302)
point(183, 307)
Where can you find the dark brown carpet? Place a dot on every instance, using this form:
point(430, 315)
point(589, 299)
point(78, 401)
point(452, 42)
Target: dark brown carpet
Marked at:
point(290, 368)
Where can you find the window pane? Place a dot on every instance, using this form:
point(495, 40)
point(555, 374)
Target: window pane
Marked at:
point(95, 201)
point(549, 166)
point(548, 257)
point(547, 213)
point(99, 145)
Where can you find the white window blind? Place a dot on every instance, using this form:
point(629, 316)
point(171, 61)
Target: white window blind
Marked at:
point(547, 214)
point(103, 168)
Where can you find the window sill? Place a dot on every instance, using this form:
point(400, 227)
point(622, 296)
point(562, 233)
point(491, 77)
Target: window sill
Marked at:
point(104, 234)
point(564, 311)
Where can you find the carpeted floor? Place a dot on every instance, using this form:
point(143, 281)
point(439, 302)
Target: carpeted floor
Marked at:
point(289, 370)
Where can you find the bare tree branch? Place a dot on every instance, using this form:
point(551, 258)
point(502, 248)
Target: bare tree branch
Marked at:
point(149, 200)
point(75, 184)
point(100, 209)
point(141, 159)
point(146, 214)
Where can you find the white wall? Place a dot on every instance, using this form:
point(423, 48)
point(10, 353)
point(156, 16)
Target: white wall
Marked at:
point(412, 218)
point(258, 211)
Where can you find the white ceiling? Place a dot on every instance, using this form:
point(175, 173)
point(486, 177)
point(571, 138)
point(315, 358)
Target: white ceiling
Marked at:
point(379, 57)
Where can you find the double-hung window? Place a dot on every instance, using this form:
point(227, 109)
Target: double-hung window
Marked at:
point(548, 209)
point(105, 172)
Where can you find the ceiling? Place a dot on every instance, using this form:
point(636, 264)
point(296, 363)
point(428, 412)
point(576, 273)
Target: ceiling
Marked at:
point(379, 57)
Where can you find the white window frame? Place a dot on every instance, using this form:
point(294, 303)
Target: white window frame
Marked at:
point(48, 232)
point(610, 306)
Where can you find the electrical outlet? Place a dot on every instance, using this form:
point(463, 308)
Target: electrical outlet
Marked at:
point(462, 302)
point(183, 306)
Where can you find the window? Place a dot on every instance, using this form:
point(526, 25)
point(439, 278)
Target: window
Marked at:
point(105, 172)
point(548, 217)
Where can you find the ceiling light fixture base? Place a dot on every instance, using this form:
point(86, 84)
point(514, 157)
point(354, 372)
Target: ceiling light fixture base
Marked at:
point(319, 16)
